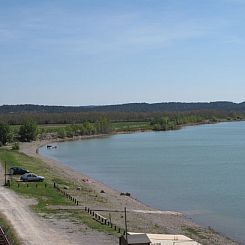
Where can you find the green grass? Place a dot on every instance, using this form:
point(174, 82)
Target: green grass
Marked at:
point(194, 232)
point(9, 231)
point(46, 195)
point(53, 125)
point(130, 126)
point(86, 219)
point(14, 158)
point(44, 192)
point(116, 126)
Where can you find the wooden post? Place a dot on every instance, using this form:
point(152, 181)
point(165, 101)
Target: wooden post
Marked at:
point(5, 174)
point(125, 219)
point(110, 217)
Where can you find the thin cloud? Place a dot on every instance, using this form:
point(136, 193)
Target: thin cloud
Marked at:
point(99, 33)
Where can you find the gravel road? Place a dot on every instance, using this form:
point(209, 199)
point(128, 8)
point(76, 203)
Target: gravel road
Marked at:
point(35, 230)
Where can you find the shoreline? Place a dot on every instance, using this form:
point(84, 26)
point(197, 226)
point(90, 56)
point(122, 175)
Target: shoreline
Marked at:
point(167, 222)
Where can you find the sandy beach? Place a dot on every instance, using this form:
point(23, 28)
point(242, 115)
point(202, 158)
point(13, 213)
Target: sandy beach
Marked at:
point(141, 218)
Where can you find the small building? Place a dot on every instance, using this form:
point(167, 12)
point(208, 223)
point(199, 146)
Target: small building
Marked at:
point(156, 239)
point(135, 239)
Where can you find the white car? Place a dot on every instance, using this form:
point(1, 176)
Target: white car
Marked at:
point(31, 177)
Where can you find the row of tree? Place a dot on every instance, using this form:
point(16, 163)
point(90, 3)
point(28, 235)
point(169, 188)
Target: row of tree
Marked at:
point(130, 107)
point(174, 121)
point(29, 130)
point(101, 126)
point(81, 117)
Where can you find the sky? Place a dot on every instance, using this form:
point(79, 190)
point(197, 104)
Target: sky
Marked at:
point(94, 52)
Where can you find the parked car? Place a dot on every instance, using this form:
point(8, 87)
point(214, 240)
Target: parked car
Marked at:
point(31, 177)
point(18, 170)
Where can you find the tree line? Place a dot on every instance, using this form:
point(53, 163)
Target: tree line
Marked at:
point(79, 124)
point(129, 107)
point(29, 130)
point(26, 133)
point(81, 117)
point(174, 122)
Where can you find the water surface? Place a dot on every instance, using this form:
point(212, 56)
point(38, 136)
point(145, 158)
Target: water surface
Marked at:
point(198, 170)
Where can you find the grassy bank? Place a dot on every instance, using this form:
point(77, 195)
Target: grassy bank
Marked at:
point(9, 231)
point(47, 196)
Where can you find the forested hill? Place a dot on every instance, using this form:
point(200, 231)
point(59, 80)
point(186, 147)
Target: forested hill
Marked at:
point(131, 107)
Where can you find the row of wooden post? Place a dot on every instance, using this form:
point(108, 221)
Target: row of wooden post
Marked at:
point(103, 220)
point(98, 217)
point(27, 185)
point(67, 195)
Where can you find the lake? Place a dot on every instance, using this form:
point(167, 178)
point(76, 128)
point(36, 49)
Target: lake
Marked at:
point(198, 170)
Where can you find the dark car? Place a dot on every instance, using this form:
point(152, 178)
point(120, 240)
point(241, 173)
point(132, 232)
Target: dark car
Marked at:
point(31, 177)
point(18, 170)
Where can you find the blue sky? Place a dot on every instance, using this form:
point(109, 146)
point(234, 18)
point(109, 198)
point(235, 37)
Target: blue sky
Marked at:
point(84, 52)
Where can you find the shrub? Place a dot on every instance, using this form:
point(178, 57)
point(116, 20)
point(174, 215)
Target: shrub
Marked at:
point(16, 146)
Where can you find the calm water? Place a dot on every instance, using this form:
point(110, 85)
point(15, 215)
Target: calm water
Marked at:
point(198, 170)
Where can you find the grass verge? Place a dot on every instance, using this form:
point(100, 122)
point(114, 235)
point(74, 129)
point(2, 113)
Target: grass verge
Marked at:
point(45, 194)
point(9, 231)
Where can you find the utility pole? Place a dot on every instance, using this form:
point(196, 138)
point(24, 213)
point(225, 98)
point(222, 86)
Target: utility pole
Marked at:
point(5, 174)
point(126, 228)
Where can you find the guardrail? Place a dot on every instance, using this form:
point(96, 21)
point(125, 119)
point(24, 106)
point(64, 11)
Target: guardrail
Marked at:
point(3, 238)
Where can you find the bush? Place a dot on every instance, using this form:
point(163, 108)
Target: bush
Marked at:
point(16, 146)
point(5, 133)
point(28, 131)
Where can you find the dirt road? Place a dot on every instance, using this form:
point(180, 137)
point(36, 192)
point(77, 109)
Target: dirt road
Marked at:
point(35, 230)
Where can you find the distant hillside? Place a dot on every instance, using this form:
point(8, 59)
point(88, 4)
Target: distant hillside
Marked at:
point(131, 107)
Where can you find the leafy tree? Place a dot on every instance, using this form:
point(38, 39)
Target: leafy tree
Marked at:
point(61, 133)
point(5, 133)
point(103, 126)
point(28, 131)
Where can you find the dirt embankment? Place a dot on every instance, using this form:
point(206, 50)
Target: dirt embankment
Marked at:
point(141, 218)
